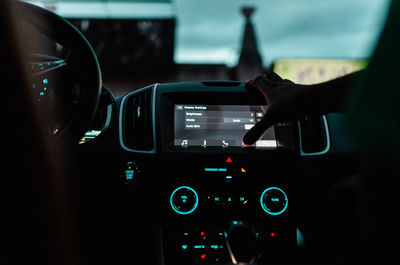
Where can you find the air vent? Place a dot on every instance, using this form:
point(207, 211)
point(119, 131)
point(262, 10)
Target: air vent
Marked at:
point(314, 135)
point(138, 132)
point(222, 83)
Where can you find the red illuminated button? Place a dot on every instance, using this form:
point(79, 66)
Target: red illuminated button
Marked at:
point(229, 160)
point(203, 256)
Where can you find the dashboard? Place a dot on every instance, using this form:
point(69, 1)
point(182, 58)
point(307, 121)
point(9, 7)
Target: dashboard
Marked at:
point(169, 158)
point(173, 153)
point(180, 150)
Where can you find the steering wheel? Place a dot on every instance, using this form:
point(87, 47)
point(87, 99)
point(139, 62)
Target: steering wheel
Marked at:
point(76, 77)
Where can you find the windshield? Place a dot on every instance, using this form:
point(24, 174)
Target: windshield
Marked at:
point(189, 40)
point(210, 31)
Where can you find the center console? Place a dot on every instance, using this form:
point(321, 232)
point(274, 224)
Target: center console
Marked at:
point(221, 202)
point(232, 200)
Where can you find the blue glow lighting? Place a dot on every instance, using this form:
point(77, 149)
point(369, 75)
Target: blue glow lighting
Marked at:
point(176, 209)
point(199, 246)
point(264, 207)
point(129, 174)
point(184, 198)
point(214, 169)
point(45, 81)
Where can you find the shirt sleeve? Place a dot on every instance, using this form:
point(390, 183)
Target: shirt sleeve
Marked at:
point(374, 102)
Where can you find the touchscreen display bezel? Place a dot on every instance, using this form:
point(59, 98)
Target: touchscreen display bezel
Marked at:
point(173, 95)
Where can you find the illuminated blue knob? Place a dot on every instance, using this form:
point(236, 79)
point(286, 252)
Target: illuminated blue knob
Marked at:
point(184, 200)
point(274, 201)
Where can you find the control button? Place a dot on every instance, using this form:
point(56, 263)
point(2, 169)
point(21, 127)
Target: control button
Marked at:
point(191, 245)
point(184, 200)
point(243, 200)
point(274, 201)
point(199, 246)
point(129, 173)
point(228, 179)
point(215, 169)
point(184, 246)
point(228, 200)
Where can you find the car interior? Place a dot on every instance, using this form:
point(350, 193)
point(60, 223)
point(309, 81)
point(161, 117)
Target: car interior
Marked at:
point(148, 166)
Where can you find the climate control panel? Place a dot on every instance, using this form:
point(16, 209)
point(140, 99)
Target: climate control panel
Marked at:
point(205, 198)
point(184, 200)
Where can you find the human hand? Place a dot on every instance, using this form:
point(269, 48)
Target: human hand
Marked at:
point(280, 95)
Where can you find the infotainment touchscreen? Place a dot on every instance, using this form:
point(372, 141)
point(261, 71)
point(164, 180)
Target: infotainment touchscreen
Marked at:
point(218, 125)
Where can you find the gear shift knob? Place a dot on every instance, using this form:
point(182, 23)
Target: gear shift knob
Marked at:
point(242, 243)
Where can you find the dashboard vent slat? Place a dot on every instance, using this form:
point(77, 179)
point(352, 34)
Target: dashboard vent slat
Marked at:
point(314, 136)
point(139, 129)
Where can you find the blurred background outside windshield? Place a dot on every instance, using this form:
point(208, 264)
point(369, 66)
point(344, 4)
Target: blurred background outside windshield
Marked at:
point(140, 42)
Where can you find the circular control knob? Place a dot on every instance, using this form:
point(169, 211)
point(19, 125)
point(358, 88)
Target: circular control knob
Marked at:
point(184, 200)
point(274, 201)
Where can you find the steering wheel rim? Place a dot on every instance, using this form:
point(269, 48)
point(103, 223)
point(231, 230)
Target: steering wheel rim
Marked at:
point(60, 30)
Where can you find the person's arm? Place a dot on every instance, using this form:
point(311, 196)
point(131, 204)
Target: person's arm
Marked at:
point(288, 101)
